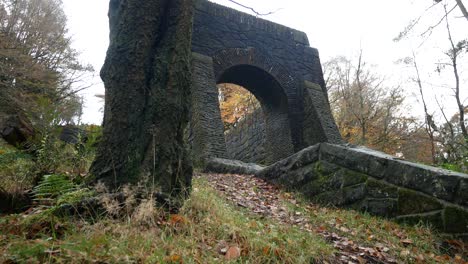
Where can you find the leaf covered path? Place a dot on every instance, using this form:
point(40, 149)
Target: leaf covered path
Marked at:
point(267, 200)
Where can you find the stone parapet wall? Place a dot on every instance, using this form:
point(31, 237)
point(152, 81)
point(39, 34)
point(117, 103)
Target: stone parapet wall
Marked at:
point(377, 183)
point(251, 22)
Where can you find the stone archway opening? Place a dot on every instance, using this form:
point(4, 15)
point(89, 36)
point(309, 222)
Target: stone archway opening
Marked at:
point(268, 138)
point(243, 123)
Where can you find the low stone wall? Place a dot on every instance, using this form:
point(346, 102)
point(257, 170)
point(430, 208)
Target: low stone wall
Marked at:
point(226, 166)
point(380, 184)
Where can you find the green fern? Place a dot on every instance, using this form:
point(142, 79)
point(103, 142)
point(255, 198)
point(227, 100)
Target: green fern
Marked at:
point(52, 187)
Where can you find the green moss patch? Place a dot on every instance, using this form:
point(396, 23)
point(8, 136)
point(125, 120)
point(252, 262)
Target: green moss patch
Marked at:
point(379, 189)
point(456, 220)
point(411, 202)
point(353, 178)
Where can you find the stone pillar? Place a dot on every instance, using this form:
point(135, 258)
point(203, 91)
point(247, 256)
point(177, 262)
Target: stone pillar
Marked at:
point(319, 125)
point(206, 127)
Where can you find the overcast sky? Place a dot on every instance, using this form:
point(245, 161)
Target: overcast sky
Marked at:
point(335, 27)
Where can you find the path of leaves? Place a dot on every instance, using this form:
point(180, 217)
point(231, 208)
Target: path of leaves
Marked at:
point(267, 200)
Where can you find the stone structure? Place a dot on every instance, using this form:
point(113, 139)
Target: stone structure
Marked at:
point(380, 184)
point(275, 63)
point(246, 141)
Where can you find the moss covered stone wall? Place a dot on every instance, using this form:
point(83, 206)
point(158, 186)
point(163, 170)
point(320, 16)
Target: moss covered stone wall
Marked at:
point(367, 180)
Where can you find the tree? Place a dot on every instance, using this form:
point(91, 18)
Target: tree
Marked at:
point(460, 5)
point(454, 54)
point(147, 79)
point(37, 63)
point(366, 112)
point(429, 124)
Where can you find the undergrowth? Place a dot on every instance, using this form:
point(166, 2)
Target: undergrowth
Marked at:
point(206, 227)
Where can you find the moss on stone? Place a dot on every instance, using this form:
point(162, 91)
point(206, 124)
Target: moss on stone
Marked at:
point(325, 168)
point(319, 185)
point(353, 194)
point(353, 178)
point(380, 207)
point(412, 202)
point(462, 194)
point(307, 173)
point(380, 189)
point(456, 220)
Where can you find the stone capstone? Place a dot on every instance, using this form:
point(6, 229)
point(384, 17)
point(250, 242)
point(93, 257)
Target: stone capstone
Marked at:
point(217, 165)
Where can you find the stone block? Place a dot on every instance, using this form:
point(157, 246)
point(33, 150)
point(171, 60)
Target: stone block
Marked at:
point(462, 194)
point(380, 189)
point(344, 156)
point(341, 197)
point(322, 183)
point(299, 177)
point(429, 180)
point(380, 207)
point(353, 194)
point(326, 168)
point(456, 220)
point(411, 202)
point(304, 157)
point(289, 165)
point(352, 178)
point(218, 165)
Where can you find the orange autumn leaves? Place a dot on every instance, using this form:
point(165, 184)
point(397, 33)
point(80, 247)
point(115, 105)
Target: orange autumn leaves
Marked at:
point(235, 103)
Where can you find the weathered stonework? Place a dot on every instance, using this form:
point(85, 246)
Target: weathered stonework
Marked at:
point(277, 65)
point(273, 62)
point(206, 132)
point(246, 141)
point(367, 180)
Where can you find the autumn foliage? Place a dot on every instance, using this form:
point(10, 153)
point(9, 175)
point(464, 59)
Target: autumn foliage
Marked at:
point(235, 103)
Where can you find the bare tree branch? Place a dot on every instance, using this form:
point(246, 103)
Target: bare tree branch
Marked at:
point(462, 8)
point(253, 10)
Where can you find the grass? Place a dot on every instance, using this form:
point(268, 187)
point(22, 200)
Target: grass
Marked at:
point(409, 244)
point(206, 225)
point(15, 168)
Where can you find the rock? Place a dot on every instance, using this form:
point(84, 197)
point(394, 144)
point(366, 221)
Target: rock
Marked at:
point(73, 135)
point(15, 129)
point(14, 202)
point(217, 165)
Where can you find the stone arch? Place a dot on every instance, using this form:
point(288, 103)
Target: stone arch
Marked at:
point(283, 92)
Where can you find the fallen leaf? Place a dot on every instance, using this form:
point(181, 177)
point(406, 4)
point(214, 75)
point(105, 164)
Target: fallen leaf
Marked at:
point(232, 253)
point(321, 229)
point(177, 219)
point(406, 242)
point(174, 259)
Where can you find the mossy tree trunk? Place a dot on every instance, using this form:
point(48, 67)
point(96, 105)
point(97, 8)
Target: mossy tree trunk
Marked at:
point(147, 79)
